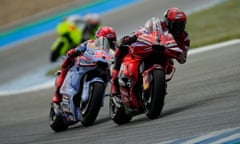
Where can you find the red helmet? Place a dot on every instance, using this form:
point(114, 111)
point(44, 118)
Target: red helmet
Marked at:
point(109, 33)
point(175, 19)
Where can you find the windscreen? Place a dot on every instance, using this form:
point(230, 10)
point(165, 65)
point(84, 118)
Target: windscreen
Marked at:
point(102, 43)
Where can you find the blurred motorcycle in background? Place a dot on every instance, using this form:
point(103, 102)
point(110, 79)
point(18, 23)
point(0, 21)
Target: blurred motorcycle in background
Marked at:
point(72, 31)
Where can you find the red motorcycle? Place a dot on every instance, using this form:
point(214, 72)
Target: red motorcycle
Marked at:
point(142, 77)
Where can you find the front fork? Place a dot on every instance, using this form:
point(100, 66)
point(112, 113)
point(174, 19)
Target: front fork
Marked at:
point(147, 77)
point(68, 107)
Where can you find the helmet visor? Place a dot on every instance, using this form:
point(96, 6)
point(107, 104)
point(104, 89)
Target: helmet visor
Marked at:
point(178, 26)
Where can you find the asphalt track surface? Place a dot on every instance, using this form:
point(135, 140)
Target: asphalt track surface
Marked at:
point(203, 96)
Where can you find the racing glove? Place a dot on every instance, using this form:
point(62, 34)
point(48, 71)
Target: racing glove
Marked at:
point(126, 40)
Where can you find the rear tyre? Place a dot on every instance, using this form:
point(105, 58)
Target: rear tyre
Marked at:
point(91, 108)
point(56, 120)
point(154, 98)
point(117, 112)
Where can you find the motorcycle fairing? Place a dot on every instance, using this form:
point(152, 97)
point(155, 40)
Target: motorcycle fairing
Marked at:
point(86, 85)
point(139, 49)
point(128, 77)
point(71, 82)
point(92, 56)
point(71, 87)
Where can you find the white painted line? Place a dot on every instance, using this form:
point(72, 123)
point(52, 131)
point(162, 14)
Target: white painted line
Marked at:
point(214, 46)
point(30, 89)
point(227, 139)
point(203, 137)
point(191, 52)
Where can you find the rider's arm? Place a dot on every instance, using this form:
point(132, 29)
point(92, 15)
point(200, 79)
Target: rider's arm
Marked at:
point(72, 54)
point(128, 39)
point(184, 45)
point(79, 50)
point(132, 37)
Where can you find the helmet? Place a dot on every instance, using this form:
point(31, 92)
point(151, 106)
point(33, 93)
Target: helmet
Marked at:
point(109, 33)
point(153, 24)
point(175, 19)
point(77, 20)
point(93, 20)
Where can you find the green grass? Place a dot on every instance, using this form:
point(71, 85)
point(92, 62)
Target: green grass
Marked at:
point(216, 24)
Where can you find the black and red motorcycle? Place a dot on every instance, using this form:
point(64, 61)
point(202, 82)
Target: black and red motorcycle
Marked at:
point(143, 77)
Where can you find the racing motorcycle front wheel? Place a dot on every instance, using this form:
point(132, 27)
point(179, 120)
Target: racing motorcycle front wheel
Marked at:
point(154, 97)
point(90, 109)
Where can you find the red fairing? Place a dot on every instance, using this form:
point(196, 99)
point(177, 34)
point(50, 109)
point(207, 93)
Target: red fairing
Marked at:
point(143, 46)
point(158, 50)
point(129, 68)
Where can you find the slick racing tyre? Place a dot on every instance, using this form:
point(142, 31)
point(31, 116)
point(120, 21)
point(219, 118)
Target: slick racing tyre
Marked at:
point(154, 97)
point(56, 120)
point(117, 112)
point(90, 109)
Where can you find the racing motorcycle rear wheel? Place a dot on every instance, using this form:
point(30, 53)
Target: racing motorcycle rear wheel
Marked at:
point(56, 120)
point(154, 97)
point(117, 111)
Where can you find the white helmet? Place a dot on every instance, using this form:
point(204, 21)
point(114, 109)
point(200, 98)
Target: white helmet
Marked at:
point(76, 19)
point(153, 24)
point(92, 19)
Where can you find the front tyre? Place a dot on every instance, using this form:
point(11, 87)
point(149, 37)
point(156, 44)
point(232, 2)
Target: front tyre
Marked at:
point(154, 97)
point(91, 108)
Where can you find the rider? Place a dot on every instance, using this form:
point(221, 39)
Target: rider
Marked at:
point(93, 23)
point(73, 30)
point(105, 31)
point(174, 21)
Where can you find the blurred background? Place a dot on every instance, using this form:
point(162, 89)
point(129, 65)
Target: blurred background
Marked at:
point(12, 11)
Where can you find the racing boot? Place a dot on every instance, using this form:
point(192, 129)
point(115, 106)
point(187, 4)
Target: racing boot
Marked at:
point(57, 97)
point(115, 87)
point(67, 64)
